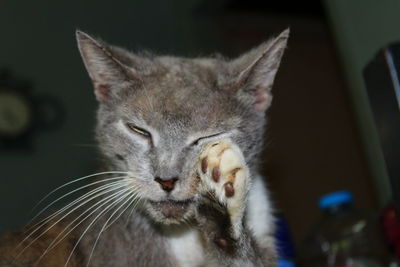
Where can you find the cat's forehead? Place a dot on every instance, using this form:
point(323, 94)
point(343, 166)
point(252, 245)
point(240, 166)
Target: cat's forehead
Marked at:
point(176, 71)
point(183, 97)
point(176, 83)
point(180, 104)
point(181, 93)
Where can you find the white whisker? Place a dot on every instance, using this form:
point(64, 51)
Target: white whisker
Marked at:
point(73, 191)
point(94, 220)
point(100, 204)
point(43, 222)
point(65, 215)
point(136, 198)
point(74, 181)
point(131, 212)
point(86, 195)
point(106, 225)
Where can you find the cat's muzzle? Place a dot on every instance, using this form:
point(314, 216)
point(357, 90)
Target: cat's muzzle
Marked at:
point(171, 208)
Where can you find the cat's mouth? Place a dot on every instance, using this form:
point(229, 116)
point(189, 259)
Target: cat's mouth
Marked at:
point(172, 209)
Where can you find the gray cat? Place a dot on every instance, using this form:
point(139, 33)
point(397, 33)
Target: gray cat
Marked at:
point(180, 139)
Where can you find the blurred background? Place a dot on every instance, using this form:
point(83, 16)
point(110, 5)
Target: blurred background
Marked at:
point(321, 135)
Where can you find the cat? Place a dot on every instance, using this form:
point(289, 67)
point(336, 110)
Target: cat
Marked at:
point(180, 139)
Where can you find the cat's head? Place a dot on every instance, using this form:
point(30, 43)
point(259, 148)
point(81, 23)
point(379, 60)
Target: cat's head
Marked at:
point(157, 112)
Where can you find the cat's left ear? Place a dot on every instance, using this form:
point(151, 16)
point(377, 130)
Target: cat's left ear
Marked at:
point(257, 69)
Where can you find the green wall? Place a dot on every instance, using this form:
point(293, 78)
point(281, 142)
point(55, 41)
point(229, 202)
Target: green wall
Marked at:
point(361, 28)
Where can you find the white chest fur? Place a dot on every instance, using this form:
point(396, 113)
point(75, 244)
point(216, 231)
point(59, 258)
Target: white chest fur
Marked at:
point(187, 248)
point(259, 212)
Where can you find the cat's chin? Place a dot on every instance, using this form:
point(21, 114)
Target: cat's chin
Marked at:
point(171, 211)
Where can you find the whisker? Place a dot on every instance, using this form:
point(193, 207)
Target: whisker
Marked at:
point(106, 199)
point(58, 239)
point(74, 181)
point(106, 225)
point(64, 216)
point(71, 192)
point(136, 198)
point(92, 192)
point(43, 222)
point(94, 220)
point(131, 212)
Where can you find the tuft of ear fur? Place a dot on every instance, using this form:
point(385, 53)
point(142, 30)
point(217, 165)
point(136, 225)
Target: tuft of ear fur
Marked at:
point(257, 69)
point(104, 69)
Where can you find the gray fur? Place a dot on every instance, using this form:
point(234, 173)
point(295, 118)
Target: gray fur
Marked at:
point(180, 102)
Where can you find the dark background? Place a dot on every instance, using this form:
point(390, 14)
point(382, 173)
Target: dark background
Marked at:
point(315, 141)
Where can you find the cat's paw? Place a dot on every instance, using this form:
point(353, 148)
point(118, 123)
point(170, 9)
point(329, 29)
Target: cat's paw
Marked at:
point(225, 177)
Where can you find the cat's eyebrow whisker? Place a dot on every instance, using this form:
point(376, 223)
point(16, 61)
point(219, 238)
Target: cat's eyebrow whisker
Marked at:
point(94, 220)
point(106, 224)
point(99, 204)
point(73, 191)
point(77, 180)
point(86, 195)
point(64, 216)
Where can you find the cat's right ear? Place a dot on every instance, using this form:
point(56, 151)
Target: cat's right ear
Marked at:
point(105, 71)
point(255, 71)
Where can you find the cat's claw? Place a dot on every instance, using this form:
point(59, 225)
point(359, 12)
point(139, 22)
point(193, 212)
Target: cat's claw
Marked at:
point(223, 172)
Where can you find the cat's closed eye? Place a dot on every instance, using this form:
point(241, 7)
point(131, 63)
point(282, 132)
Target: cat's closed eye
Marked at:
point(199, 140)
point(138, 130)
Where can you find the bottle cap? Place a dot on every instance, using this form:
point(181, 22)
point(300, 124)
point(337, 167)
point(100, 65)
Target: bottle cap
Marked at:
point(335, 199)
point(285, 263)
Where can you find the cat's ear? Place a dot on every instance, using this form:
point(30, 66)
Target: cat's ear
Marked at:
point(257, 69)
point(105, 70)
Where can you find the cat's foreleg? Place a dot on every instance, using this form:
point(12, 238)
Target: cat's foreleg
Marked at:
point(225, 183)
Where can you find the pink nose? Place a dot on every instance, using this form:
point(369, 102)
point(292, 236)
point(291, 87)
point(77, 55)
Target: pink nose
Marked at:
point(166, 184)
